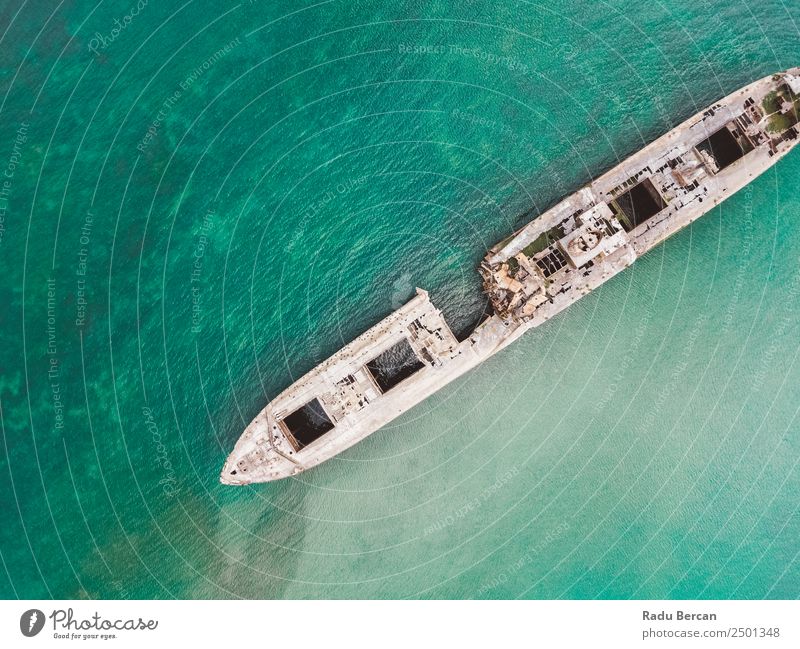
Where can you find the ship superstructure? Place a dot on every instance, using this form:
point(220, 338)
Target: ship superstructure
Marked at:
point(554, 260)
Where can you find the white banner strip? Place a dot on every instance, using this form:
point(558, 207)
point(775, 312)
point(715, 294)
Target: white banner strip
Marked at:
point(380, 625)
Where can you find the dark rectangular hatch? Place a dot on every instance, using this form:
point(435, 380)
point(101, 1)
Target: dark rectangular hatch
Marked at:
point(309, 423)
point(394, 365)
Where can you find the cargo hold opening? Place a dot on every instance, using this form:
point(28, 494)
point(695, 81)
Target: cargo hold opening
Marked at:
point(723, 147)
point(308, 423)
point(640, 203)
point(394, 365)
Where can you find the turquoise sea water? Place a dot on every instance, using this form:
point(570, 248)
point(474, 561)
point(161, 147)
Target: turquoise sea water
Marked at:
point(201, 201)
